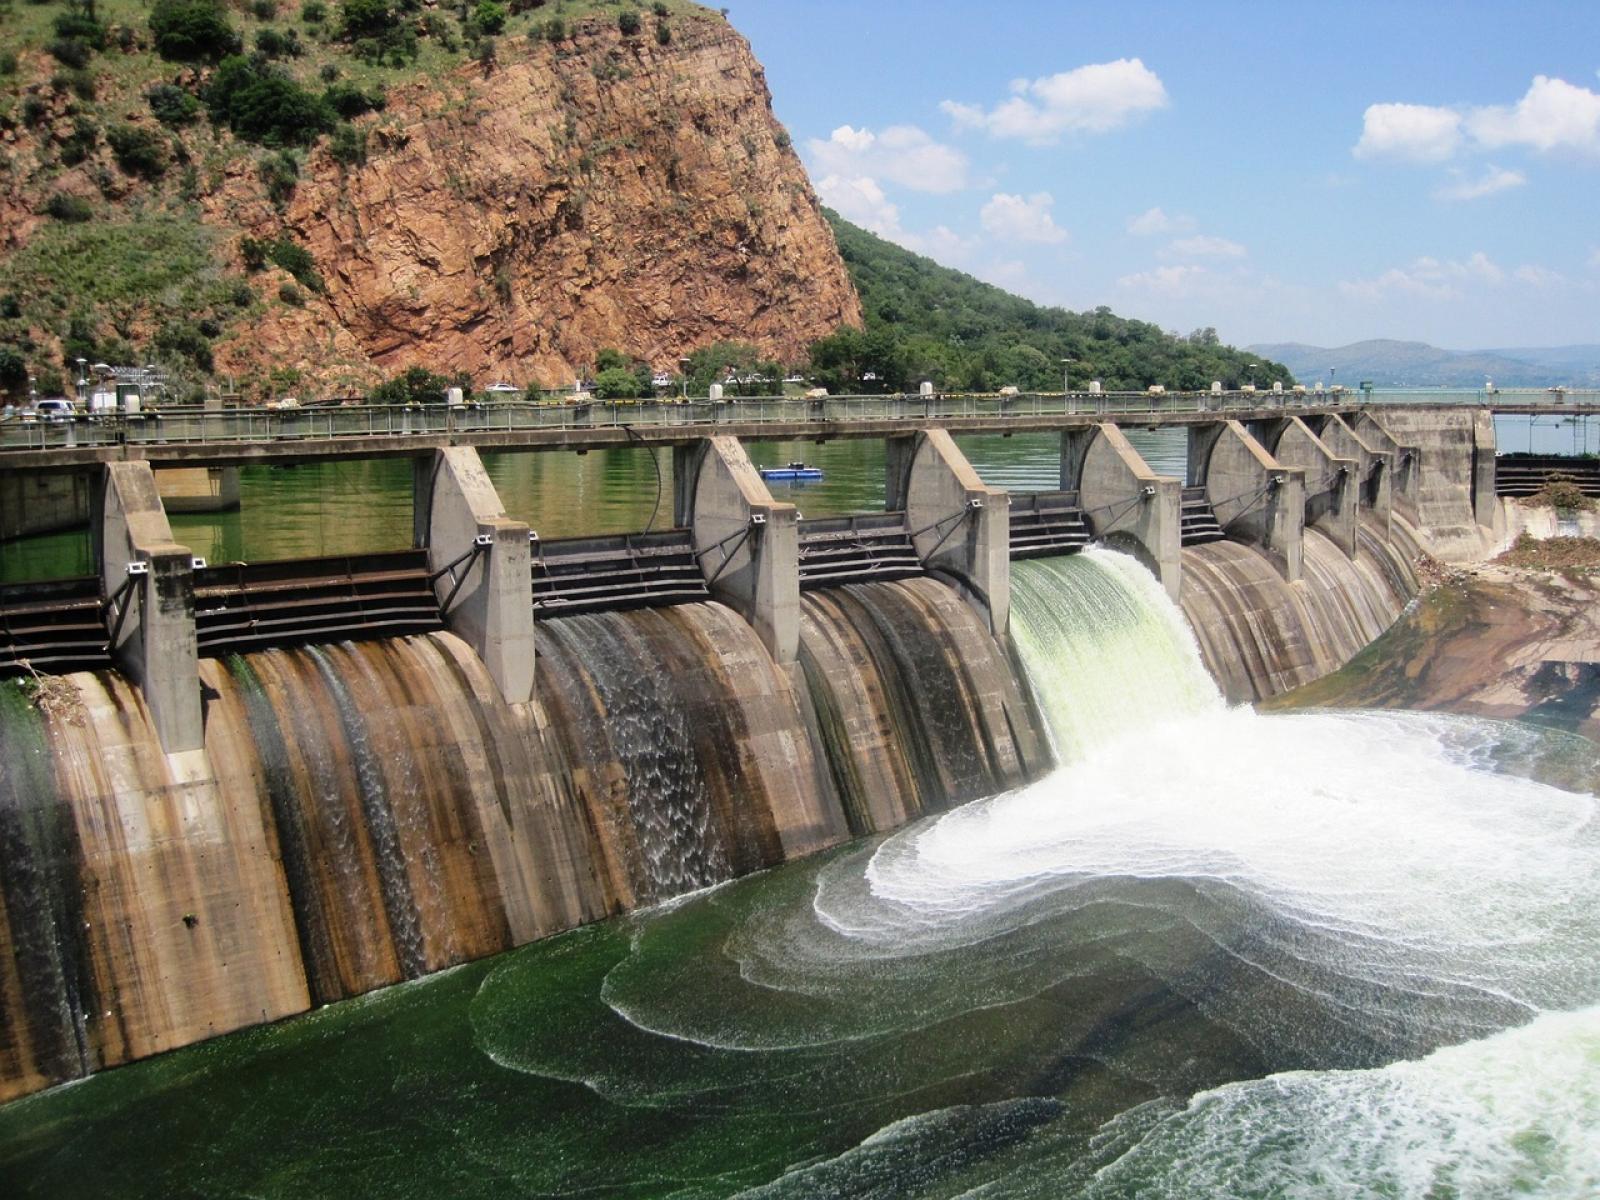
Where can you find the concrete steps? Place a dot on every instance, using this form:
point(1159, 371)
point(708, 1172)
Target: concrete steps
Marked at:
point(1197, 524)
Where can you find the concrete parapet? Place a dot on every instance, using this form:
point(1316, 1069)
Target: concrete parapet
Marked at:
point(480, 561)
point(1255, 497)
point(149, 579)
point(1483, 452)
point(199, 489)
point(1374, 467)
point(1124, 501)
point(1330, 482)
point(960, 525)
point(748, 543)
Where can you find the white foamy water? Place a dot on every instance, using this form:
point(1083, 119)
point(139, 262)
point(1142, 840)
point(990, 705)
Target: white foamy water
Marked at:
point(1515, 1114)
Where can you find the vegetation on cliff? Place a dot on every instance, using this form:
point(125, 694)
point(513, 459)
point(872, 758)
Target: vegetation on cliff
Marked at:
point(928, 322)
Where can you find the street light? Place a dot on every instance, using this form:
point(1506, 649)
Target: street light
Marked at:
point(683, 375)
point(1066, 371)
point(1250, 370)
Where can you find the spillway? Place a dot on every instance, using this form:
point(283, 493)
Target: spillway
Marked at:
point(1210, 953)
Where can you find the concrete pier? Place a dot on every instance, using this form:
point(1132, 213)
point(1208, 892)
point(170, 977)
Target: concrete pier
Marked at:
point(1330, 482)
point(199, 489)
point(44, 502)
point(961, 526)
point(1256, 498)
point(1374, 468)
point(1123, 499)
point(481, 561)
point(149, 579)
point(1484, 504)
point(1407, 462)
point(747, 542)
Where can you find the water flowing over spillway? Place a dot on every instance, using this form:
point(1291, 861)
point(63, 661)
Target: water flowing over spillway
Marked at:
point(1212, 954)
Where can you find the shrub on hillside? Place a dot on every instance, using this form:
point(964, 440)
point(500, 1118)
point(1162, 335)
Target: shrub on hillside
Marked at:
point(279, 173)
point(13, 370)
point(74, 210)
point(365, 18)
point(628, 22)
point(70, 52)
point(192, 30)
point(261, 104)
point(349, 146)
point(186, 340)
point(313, 12)
point(81, 142)
point(415, 385)
point(490, 16)
point(139, 150)
point(271, 43)
point(79, 24)
point(171, 105)
point(350, 101)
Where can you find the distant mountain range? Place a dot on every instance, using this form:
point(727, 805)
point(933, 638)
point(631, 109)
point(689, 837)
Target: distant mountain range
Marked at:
point(1389, 363)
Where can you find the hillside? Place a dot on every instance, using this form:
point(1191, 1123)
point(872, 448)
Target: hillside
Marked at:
point(1389, 363)
point(376, 185)
point(925, 321)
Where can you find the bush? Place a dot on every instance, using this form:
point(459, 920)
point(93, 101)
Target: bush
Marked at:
point(85, 136)
point(628, 22)
point(366, 18)
point(313, 12)
point(241, 294)
point(139, 151)
point(13, 370)
point(290, 294)
point(349, 146)
point(415, 385)
point(264, 10)
point(663, 34)
point(77, 24)
point(437, 28)
point(34, 110)
point(70, 52)
point(192, 30)
point(491, 16)
point(261, 104)
point(328, 72)
point(555, 30)
point(350, 101)
point(279, 172)
point(659, 8)
point(184, 339)
point(270, 43)
point(617, 383)
point(74, 210)
point(172, 106)
point(8, 62)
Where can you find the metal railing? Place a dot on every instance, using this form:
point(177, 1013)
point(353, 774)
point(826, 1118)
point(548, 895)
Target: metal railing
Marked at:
point(179, 425)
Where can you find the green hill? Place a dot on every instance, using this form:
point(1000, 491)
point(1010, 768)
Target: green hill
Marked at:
point(929, 322)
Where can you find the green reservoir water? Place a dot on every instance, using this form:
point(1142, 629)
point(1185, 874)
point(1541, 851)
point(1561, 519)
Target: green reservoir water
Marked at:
point(356, 506)
point(1214, 954)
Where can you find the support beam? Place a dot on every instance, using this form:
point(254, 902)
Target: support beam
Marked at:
point(960, 525)
point(1483, 452)
point(1256, 498)
point(1407, 462)
point(748, 543)
point(1125, 502)
point(1330, 482)
point(1374, 468)
point(150, 579)
point(481, 562)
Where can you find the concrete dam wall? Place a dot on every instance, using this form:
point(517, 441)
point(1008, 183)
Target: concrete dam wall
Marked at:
point(336, 818)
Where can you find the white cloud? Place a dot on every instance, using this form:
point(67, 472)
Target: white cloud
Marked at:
point(1096, 98)
point(1552, 115)
point(1426, 278)
point(901, 154)
point(1164, 281)
point(862, 201)
point(1021, 219)
point(1203, 245)
point(1494, 179)
point(1154, 221)
point(1534, 275)
point(1410, 132)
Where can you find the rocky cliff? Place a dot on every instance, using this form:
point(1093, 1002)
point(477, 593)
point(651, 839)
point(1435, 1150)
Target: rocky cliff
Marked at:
point(509, 217)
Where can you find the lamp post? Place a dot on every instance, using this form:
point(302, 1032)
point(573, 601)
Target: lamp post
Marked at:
point(683, 375)
point(1250, 371)
point(83, 382)
point(1066, 389)
point(1332, 383)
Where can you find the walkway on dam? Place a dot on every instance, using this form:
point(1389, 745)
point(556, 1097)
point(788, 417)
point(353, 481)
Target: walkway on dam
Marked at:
point(188, 436)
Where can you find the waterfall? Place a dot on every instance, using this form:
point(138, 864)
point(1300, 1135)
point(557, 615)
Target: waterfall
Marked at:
point(1107, 654)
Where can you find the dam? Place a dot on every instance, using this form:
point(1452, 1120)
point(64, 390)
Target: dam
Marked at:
point(285, 784)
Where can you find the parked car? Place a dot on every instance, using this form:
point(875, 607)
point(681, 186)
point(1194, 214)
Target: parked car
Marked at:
point(55, 409)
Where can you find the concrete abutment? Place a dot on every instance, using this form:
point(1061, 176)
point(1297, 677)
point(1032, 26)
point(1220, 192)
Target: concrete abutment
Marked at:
point(1123, 500)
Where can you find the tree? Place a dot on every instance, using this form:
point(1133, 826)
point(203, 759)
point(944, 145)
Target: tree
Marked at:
point(414, 385)
point(491, 16)
point(192, 30)
point(617, 383)
point(13, 370)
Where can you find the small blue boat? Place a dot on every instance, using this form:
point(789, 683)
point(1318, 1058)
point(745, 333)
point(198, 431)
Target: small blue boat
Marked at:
point(793, 471)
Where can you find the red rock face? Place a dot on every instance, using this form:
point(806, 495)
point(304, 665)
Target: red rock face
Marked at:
point(605, 191)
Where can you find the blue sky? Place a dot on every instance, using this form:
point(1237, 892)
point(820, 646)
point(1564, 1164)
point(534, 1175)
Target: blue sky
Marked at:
point(1283, 172)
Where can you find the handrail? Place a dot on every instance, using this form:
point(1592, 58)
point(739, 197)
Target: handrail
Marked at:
point(174, 425)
